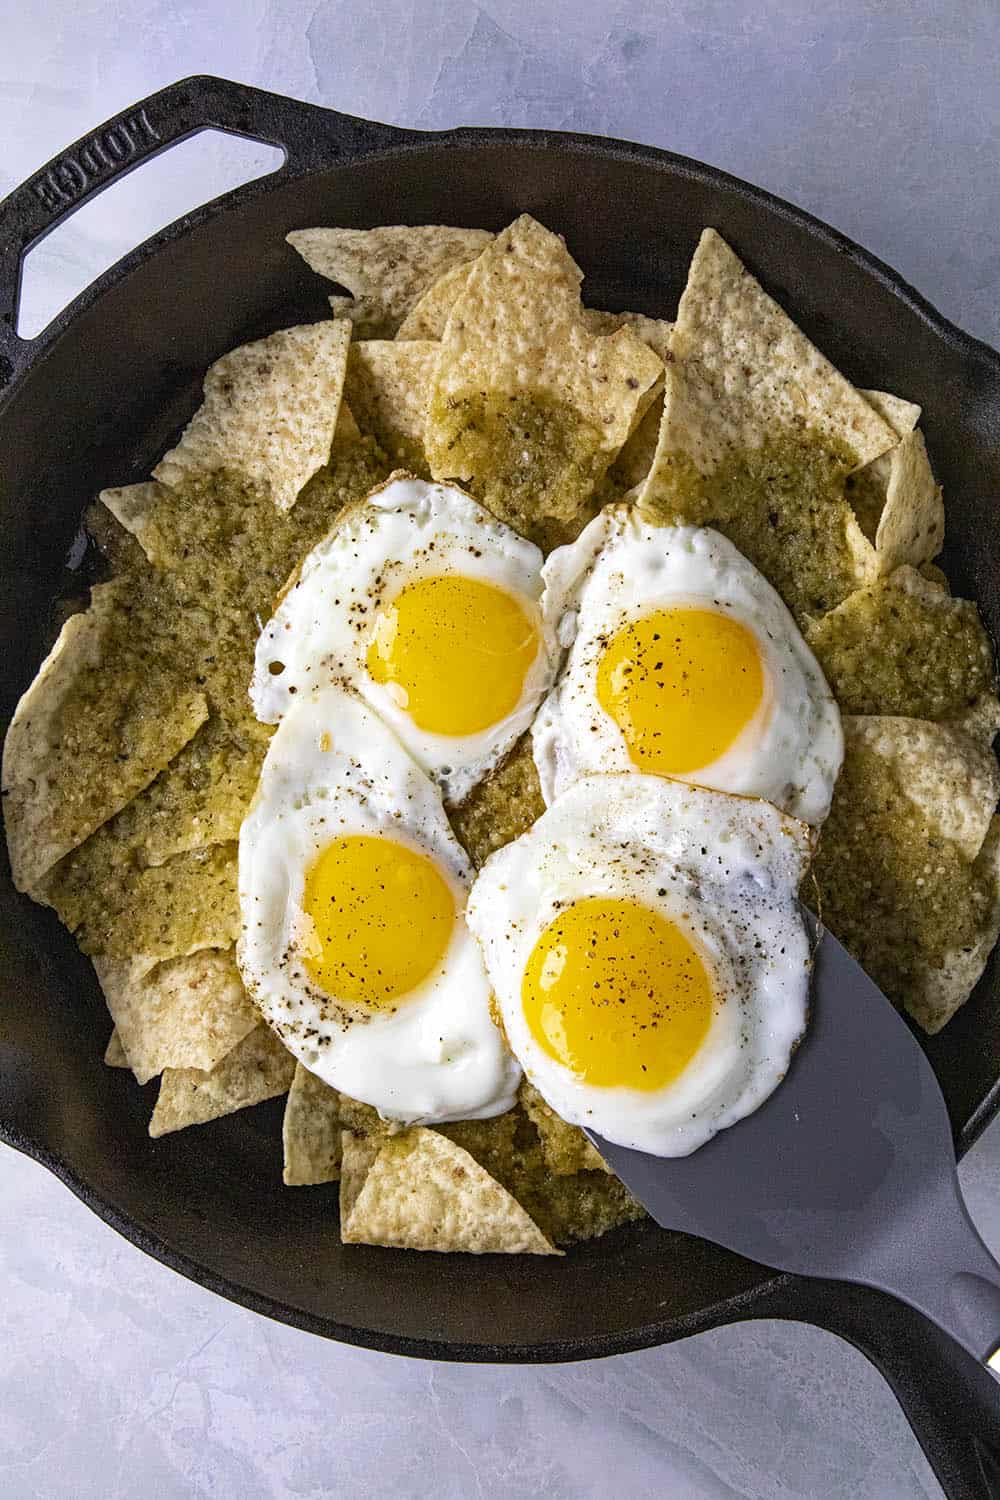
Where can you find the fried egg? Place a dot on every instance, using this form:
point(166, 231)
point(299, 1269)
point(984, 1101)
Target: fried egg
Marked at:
point(682, 662)
point(354, 944)
point(648, 956)
point(429, 607)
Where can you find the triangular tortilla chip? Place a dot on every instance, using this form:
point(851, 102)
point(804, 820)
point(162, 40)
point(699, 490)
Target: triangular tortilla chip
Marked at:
point(635, 460)
point(258, 1068)
point(103, 716)
point(428, 317)
point(184, 1013)
point(759, 433)
point(388, 383)
point(119, 909)
point(867, 486)
point(269, 413)
point(904, 646)
point(386, 269)
point(747, 366)
point(954, 782)
point(134, 506)
point(905, 873)
point(911, 527)
point(942, 991)
point(422, 1192)
point(527, 405)
point(311, 1131)
point(114, 1053)
point(656, 332)
point(565, 1147)
point(901, 415)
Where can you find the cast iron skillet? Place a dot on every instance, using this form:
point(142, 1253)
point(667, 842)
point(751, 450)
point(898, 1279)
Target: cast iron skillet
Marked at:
point(97, 397)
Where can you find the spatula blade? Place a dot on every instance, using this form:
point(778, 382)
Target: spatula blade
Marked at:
point(855, 1144)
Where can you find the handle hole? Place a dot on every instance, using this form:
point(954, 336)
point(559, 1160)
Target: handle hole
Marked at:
point(127, 212)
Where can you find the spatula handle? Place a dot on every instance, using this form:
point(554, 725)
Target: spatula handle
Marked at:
point(931, 1255)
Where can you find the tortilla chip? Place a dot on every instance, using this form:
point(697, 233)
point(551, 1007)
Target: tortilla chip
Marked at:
point(200, 798)
point(944, 990)
point(185, 1013)
point(904, 646)
point(902, 877)
point(428, 317)
point(508, 1149)
point(422, 1192)
point(656, 332)
point(866, 487)
point(258, 1068)
point(635, 460)
point(386, 270)
point(954, 782)
point(504, 805)
point(135, 507)
point(901, 415)
point(357, 1156)
point(911, 526)
point(221, 553)
point(114, 1054)
point(759, 433)
point(565, 1147)
point(747, 367)
point(387, 383)
point(119, 908)
point(311, 1131)
point(103, 716)
point(527, 406)
point(566, 1207)
point(269, 413)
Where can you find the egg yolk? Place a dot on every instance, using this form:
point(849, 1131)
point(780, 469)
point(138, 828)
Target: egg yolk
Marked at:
point(453, 652)
point(617, 994)
point(681, 684)
point(379, 919)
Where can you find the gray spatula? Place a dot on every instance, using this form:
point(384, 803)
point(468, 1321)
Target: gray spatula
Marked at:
point(846, 1172)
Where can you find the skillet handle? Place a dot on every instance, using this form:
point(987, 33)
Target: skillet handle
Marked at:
point(310, 137)
point(951, 1401)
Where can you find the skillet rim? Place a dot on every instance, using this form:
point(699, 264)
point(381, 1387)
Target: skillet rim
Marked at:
point(384, 143)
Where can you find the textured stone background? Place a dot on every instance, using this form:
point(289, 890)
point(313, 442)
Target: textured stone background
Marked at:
point(116, 1377)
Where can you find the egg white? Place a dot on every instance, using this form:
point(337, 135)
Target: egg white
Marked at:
point(619, 569)
point(726, 869)
point(333, 769)
point(322, 627)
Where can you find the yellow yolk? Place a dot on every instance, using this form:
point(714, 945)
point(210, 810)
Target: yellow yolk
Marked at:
point(617, 994)
point(681, 684)
point(380, 918)
point(453, 653)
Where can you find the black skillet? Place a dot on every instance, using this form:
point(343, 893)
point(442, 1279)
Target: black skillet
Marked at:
point(93, 401)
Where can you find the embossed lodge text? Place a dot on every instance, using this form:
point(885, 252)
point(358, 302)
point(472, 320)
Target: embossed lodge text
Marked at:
point(72, 175)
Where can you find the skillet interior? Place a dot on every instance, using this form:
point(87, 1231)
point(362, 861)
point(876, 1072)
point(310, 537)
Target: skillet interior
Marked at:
point(115, 383)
